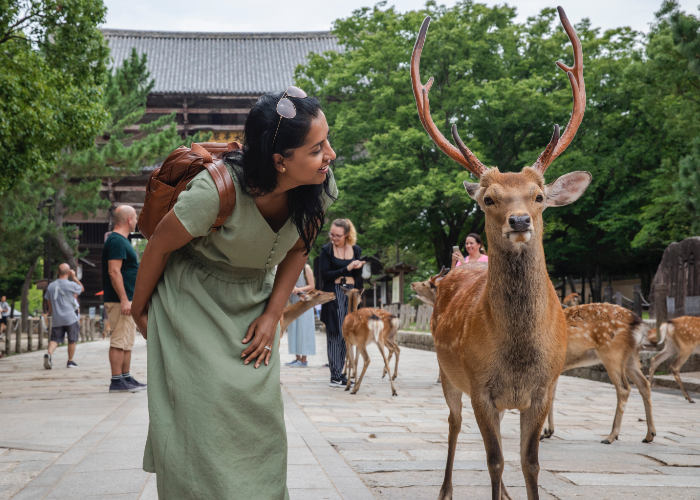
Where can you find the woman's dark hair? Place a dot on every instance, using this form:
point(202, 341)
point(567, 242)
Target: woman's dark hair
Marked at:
point(255, 168)
point(477, 238)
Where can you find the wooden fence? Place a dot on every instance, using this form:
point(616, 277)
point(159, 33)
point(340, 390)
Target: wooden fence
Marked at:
point(40, 327)
point(408, 315)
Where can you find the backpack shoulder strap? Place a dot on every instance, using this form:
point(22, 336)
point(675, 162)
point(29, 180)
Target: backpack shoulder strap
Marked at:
point(224, 183)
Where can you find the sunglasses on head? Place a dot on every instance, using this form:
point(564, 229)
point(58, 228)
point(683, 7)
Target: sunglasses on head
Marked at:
point(285, 107)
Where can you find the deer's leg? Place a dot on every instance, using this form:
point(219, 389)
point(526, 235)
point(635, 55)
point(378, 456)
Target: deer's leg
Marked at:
point(676, 369)
point(634, 370)
point(349, 363)
point(489, 421)
point(504, 492)
point(616, 372)
point(531, 423)
point(549, 430)
point(386, 367)
point(365, 358)
point(453, 398)
point(669, 350)
point(395, 348)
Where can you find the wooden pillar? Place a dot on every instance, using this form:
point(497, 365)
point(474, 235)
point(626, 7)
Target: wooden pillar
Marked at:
point(185, 118)
point(618, 298)
point(18, 336)
point(40, 344)
point(30, 333)
point(8, 337)
point(660, 294)
point(637, 300)
point(608, 295)
point(400, 287)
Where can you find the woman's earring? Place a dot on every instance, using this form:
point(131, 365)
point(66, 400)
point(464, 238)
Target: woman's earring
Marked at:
point(284, 169)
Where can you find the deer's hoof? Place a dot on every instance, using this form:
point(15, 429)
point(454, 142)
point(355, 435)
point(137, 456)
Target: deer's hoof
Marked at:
point(605, 441)
point(690, 401)
point(645, 440)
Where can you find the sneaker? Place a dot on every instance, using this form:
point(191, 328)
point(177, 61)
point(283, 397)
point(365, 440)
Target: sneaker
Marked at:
point(292, 363)
point(344, 380)
point(71, 364)
point(47, 361)
point(337, 383)
point(132, 382)
point(299, 364)
point(121, 386)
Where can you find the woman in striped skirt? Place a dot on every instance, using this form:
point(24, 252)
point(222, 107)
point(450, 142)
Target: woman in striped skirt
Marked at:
point(340, 266)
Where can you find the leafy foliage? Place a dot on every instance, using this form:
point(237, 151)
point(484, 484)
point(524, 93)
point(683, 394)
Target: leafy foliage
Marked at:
point(496, 79)
point(53, 59)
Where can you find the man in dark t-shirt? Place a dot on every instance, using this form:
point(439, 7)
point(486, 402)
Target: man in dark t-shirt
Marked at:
point(119, 268)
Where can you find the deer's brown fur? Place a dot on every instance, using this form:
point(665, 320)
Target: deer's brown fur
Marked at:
point(571, 300)
point(682, 335)
point(612, 335)
point(309, 300)
point(361, 328)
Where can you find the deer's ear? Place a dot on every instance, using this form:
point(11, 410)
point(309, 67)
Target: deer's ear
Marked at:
point(472, 188)
point(567, 189)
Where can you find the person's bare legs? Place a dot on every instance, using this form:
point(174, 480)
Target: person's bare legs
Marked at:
point(302, 359)
point(52, 347)
point(119, 360)
point(71, 350)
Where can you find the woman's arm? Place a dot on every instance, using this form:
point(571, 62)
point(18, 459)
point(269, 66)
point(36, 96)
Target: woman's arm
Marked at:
point(311, 282)
point(169, 235)
point(262, 330)
point(327, 274)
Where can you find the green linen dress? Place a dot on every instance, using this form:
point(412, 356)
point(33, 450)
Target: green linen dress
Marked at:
point(216, 425)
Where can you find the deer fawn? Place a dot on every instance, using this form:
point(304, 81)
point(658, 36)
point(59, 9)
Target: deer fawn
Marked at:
point(361, 328)
point(612, 335)
point(307, 301)
point(571, 300)
point(426, 290)
point(500, 331)
point(682, 336)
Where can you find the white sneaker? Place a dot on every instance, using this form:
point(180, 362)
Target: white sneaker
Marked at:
point(47, 361)
point(292, 363)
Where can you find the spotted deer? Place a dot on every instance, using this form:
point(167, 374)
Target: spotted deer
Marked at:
point(499, 330)
point(307, 301)
point(682, 335)
point(612, 335)
point(425, 290)
point(363, 326)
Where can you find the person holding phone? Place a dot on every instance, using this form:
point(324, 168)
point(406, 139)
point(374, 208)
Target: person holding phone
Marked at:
point(340, 267)
point(475, 251)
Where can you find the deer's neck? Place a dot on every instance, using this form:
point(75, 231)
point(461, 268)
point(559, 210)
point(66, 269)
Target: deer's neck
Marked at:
point(517, 289)
point(295, 310)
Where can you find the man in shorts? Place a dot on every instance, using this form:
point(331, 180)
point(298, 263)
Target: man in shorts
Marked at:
point(5, 308)
point(64, 318)
point(119, 267)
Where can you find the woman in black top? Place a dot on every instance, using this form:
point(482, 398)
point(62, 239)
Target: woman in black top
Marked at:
point(340, 266)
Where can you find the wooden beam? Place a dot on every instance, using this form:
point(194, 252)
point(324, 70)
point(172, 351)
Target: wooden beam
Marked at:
point(180, 128)
point(124, 188)
point(165, 111)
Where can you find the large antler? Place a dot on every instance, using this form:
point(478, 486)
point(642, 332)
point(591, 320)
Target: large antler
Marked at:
point(558, 146)
point(462, 155)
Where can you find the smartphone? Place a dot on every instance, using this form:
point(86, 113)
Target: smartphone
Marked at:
point(455, 249)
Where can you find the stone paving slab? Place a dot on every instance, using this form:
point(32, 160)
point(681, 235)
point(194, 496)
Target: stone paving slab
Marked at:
point(398, 445)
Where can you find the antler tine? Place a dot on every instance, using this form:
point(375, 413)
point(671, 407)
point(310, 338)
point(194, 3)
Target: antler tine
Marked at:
point(578, 88)
point(476, 165)
point(420, 92)
point(546, 157)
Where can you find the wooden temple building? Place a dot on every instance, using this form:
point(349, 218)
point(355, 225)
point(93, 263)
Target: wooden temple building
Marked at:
point(211, 81)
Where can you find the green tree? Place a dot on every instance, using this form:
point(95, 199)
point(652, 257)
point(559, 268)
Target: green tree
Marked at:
point(53, 59)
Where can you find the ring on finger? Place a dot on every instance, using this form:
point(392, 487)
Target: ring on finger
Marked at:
point(268, 347)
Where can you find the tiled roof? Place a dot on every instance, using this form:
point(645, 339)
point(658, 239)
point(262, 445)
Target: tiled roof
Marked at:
point(220, 63)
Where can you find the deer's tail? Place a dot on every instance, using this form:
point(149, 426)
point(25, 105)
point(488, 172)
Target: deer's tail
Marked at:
point(376, 325)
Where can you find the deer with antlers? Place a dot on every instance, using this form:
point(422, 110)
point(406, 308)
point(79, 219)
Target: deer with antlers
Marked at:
point(682, 335)
point(612, 335)
point(363, 326)
point(500, 331)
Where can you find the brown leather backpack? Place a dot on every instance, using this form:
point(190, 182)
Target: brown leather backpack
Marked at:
point(170, 179)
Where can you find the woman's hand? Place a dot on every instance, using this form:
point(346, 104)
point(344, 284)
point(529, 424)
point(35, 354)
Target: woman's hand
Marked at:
point(458, 257)
point(296, 290)
point(141, 320)
point(356, 264)
point(262, 333)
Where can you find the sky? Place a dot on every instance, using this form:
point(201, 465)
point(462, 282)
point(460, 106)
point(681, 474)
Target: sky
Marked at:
point(318, 15)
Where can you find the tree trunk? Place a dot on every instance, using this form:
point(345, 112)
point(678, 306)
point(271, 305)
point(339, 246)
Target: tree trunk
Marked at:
point(598, 285)
point(571, 284)
point(59, 237)
point(24, 304)
point(563, 288)
point(583, 289)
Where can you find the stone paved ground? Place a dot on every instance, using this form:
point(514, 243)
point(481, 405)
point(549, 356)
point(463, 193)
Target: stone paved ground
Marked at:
point(398, 444)
point(63, 436)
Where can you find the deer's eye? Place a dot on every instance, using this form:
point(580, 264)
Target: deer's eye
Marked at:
point(539, 198)
point(488, 200)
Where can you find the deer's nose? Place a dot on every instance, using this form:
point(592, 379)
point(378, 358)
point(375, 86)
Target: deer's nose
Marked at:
point(519, 222)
